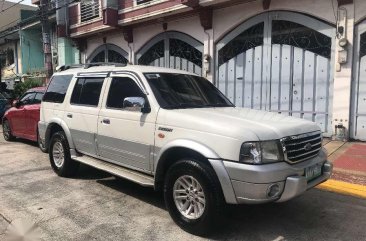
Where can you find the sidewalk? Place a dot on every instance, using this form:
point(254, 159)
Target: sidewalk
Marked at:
point(349, 160)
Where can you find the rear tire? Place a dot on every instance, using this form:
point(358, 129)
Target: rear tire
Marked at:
point(8, 136)
point(42, 146)
point(60, 158)
point(193, 196)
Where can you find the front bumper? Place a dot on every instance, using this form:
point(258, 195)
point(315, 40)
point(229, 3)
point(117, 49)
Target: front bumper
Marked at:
point(255, 183)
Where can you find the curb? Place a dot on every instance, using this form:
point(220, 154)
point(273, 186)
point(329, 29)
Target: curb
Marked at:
point(344, 188)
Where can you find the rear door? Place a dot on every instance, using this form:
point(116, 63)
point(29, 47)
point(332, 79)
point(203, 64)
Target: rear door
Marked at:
point(82, 111)
point(32, 116)
point(125, 136)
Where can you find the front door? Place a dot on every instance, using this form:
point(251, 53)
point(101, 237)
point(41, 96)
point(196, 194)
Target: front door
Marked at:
point(279, 62)
point(125, 136)
point(19, 118)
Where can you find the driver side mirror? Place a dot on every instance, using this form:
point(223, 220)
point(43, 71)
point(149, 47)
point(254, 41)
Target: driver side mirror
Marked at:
point(135, 104)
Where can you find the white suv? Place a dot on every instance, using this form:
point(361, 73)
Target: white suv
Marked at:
point(174, 131)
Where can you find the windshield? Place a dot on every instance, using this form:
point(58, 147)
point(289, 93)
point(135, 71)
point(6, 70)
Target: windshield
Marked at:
point(177, 91)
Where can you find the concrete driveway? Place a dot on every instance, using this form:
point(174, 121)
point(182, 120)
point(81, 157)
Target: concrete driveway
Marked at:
point(97, 206)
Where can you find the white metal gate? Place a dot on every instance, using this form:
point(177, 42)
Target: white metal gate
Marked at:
point(358, 111)
point(173, 50)
point(281, 62)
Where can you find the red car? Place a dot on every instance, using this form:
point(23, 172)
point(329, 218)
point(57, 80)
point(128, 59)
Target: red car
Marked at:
point(22, 119)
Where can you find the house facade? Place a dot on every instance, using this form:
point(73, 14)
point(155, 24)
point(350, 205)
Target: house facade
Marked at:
point(300, 58)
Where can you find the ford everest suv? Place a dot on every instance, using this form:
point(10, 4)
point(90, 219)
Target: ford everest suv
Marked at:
point(176, 132)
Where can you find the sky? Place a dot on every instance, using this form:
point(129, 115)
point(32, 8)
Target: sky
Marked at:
point(28, 2)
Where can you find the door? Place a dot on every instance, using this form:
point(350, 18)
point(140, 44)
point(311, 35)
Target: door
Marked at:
point(32, 112)
point(173, 50)
point(19, 119)
point(125, 136)
point(82, 112)
point(279, 62)
point(358, 110)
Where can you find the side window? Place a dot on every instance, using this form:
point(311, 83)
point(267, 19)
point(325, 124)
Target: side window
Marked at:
point(87, 91)
point(122, 87)
point(57, 88)
point(38, 98)
point(27, 98)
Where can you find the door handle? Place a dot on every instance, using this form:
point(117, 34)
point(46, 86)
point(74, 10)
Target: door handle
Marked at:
point(69, 115)
point(106, 121)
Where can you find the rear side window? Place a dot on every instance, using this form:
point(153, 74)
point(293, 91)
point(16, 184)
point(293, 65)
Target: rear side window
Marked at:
point(87, 91)
point(38, 98)
point(57, 88)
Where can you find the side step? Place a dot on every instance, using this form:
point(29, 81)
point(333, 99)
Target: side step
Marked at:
point(134, 176)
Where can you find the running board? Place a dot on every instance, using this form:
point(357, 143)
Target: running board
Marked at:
point(134, 176)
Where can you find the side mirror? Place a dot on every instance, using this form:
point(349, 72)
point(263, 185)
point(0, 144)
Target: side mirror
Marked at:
point(135, 104)
point(16, 103)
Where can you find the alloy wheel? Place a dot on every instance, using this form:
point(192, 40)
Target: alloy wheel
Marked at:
point(189, 197)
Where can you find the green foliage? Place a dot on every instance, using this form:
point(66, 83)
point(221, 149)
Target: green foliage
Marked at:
point(22, 87)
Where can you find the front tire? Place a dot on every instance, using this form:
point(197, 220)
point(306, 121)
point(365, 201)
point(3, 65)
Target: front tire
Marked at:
point(8, 136)
point(193, 196)
point(60, 158)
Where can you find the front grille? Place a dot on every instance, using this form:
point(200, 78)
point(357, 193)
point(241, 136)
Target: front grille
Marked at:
point(301, 147)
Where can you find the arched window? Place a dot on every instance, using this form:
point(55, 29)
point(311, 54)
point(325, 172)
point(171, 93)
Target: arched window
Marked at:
point(108, 53)
point(173, 50)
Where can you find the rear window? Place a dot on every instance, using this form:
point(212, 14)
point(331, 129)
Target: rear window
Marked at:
point(57, 88)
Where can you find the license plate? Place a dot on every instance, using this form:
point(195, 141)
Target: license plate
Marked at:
point(313, 172)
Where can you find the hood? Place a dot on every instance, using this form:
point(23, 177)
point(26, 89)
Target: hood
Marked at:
point(238, 123)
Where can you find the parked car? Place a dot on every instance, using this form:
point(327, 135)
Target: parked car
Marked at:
point(21, 120)
point(5, 103)
point(175, 131)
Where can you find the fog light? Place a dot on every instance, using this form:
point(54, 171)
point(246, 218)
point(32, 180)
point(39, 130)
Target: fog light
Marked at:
point(273, 190)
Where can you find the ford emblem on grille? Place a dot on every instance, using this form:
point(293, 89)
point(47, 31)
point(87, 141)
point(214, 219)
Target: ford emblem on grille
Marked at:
point(308, 147)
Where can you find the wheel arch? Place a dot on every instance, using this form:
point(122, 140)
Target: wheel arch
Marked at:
point(55, 125)
point(184, 148)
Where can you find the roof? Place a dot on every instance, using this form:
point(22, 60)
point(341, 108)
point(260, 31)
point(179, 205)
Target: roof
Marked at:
point(135, 68)
point(37, 89)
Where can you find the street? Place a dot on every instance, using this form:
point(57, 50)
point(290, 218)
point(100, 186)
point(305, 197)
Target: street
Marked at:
point(96, 206)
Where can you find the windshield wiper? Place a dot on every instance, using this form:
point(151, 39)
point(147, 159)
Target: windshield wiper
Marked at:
point(219, 105)
point(185, 106)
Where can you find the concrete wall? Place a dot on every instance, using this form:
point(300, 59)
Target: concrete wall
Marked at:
point(12, 14)
point(68, 54)
point(31, 50)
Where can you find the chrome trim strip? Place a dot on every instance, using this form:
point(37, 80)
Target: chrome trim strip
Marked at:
point(302, 142)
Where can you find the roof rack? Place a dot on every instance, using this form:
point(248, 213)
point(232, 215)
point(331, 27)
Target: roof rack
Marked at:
point(88, 65)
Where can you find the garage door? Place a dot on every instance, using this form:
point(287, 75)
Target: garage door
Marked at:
point(280, 62)
point(358, 112)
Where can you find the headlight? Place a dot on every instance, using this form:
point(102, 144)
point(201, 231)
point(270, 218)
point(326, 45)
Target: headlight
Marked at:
point(261, 152)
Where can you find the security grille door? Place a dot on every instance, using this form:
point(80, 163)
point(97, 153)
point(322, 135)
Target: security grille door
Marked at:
point(280, 62)
point(173, 50)
point(358, 111)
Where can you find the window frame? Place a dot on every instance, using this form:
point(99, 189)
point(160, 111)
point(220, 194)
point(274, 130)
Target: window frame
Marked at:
point(48, 86)
point(31, 102)
point(100, 95)
point(136, 80)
